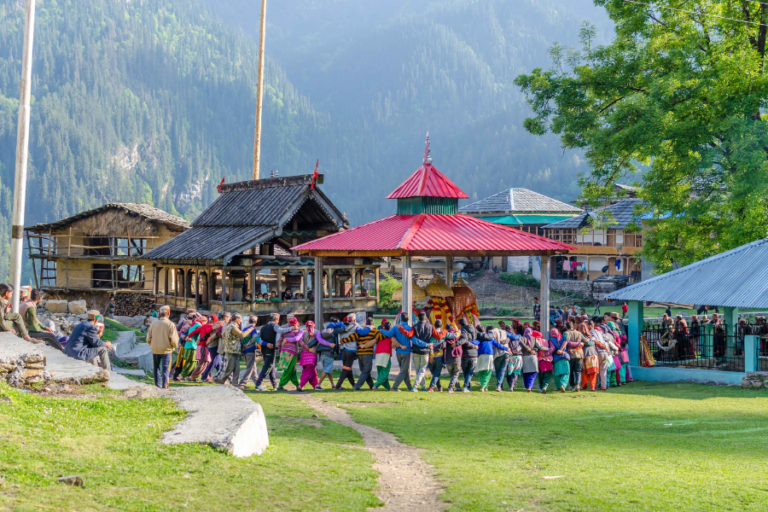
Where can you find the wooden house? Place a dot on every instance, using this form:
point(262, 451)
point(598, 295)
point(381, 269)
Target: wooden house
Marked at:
point(522, 209)
point(600, 252)
point(100, 250)
point(240, 247)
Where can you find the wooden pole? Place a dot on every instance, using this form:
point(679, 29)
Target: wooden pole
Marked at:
point(224, 288)
point(449, 270)
point(318, 292)
point(378, 282)
point(259, 92)
point(407, 287)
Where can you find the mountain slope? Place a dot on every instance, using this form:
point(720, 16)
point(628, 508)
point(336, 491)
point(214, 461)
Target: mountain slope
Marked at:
point(147, 101)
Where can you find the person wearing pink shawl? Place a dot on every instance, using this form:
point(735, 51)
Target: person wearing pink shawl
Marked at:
point(308, 358)
point(544, 355)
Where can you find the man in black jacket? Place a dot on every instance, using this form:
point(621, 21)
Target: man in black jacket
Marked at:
point(268, 337)
point(469, 354)
point(423, 330)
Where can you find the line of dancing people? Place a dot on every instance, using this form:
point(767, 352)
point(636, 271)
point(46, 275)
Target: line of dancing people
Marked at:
point(583, 353)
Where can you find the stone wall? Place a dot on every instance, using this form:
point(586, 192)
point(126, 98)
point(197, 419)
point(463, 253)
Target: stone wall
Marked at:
point(21, 363)
point(588, 289)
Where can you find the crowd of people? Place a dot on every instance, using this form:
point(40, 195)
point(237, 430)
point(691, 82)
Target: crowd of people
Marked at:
point(579, 352)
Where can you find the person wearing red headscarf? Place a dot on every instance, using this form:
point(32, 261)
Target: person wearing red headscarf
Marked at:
point(308, 358)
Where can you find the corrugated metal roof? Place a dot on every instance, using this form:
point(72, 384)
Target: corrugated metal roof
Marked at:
point(737, 278)
point(211, 243)
point(523, 220)
point(427, 181)
point(519, 200)
point(150, 213)
point(623, 213)
point(433, 233)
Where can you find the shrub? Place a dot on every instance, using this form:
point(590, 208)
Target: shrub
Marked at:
point(520, 279)
point(386, 288)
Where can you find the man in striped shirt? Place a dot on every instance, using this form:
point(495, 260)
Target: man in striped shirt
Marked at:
point(366, 338)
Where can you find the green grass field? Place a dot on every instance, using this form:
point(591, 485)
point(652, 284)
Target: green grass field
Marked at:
point(644, 446)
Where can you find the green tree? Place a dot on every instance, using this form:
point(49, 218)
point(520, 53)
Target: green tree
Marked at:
point(678, 99)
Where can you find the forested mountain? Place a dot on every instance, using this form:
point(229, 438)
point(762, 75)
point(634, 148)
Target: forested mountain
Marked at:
point(153, 101)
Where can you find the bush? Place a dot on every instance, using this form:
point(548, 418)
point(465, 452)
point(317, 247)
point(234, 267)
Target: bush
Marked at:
point(503, 312)
point(520, 279)
point(386, 288)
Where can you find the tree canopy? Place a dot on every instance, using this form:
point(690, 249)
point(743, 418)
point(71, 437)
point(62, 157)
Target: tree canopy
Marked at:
point(676, 100)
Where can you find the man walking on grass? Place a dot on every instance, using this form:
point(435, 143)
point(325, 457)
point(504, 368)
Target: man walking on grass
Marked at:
point(163, 339)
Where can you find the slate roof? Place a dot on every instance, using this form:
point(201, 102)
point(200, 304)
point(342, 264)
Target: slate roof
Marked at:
point(519, 200)
point(247, 214)
point(623, 213)
point(737, 278)
point(150, 213)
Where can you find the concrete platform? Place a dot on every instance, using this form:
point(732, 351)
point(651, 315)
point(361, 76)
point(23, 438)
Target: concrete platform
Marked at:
point(125, 342)
point(221, 416)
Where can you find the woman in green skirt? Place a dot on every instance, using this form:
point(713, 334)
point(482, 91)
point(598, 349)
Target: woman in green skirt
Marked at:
point(561, 367)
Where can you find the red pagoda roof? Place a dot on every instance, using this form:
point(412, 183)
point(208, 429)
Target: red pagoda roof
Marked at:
point(426, 234)
point(427, 181)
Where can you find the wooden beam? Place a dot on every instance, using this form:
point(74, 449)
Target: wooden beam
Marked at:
point(318, 293)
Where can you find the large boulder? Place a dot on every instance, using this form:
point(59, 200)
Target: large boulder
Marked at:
point(134, 322)
point(56, 306)
point(77, 307)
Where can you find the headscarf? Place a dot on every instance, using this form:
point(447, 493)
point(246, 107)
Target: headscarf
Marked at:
point(214, 319)
point(584, 330)
point(554, 333)
point(293, 322)
point(310, 327)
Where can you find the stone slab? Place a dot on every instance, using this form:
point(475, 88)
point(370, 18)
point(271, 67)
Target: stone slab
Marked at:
point(67, 370)
point(134, 322)
point(661, 374)
point(17, 353)
point(120, 382)
point(221, 416)
point(139, 357)
point(125, 342)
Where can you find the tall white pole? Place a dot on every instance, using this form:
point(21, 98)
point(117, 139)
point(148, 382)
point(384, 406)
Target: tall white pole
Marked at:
point(259, 92)
point(22, 157)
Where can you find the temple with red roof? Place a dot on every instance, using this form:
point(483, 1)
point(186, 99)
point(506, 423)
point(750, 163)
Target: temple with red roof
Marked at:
point(428, 223)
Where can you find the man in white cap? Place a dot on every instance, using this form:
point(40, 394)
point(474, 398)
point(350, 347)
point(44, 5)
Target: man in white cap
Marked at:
point(163, 338)
point(84, 343)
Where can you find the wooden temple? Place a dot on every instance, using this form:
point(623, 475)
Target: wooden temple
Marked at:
point(428, 223)
point(240, 248)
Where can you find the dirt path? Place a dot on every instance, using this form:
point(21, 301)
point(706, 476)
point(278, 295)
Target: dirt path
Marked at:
point(406, 483)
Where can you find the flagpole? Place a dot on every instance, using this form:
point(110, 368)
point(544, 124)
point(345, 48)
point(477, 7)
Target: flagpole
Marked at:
point(22, 157)
point(259, 93)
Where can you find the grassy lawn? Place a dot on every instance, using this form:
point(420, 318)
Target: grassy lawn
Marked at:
point(112, 328)
point(642, 447)
point(645, 446)
point(113, 444)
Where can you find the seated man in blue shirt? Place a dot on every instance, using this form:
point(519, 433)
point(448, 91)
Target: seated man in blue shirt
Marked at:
point(84, 343)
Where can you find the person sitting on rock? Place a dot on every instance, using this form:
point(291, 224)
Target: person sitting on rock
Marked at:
point(37, 331)
point(11, 322)
point(84, 343)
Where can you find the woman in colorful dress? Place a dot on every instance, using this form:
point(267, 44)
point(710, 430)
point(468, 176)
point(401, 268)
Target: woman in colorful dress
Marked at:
point(308, 358)
point(515, 365)
point(591, 362)
point(288, 345)
point(190, 347)
point(382, 357)
point(486, 343)
point(530, 347)
point(545, 361)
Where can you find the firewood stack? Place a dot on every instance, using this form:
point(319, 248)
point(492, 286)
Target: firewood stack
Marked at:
point(133, 304)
